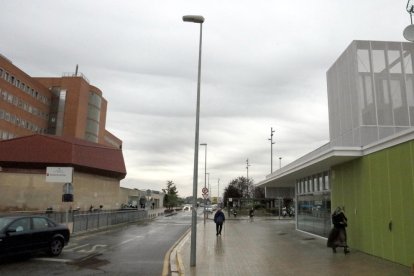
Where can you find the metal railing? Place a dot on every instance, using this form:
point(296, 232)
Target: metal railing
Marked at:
point(98, 220)
point(82, 221)
point(78, 74)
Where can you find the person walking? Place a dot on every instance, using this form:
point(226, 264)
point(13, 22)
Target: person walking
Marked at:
point(337, 236)
point(219, 219)
point(251, 214)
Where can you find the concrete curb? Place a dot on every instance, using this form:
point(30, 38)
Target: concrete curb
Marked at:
point(176, 261)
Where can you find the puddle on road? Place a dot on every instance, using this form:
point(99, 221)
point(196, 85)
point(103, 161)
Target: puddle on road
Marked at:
point(91, 263)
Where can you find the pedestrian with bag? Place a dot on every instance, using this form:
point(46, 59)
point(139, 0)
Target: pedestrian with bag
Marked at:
point(337, 236)
point(219, 219)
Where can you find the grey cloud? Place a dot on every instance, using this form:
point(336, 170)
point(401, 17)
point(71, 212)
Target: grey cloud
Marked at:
point(263, 65)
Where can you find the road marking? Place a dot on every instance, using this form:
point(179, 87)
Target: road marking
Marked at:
point(134, 238)
point(53, 260)
point(74, 248)
point(92, 249)
point(172, 224)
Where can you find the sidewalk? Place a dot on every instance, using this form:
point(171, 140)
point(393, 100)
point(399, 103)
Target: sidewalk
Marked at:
point(273, 247)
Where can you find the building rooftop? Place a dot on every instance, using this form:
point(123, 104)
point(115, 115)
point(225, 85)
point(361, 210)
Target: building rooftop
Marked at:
point(41, 151)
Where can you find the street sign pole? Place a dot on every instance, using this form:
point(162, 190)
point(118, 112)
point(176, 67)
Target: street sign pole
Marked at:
point(205, 196)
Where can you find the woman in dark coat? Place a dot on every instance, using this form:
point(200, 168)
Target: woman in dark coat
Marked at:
point(337, 236)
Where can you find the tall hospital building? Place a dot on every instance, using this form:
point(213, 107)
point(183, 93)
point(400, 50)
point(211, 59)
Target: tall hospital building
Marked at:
point(62, 106)
point(54, 122)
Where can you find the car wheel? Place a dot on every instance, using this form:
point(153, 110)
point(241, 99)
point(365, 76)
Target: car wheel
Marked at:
point(56, 247)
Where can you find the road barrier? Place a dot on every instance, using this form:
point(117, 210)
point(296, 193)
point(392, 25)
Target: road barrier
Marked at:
point(97, 220)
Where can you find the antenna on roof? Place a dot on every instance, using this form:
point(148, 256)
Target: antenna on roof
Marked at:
point(409, 30)
point(76, 71)
point(410, 9)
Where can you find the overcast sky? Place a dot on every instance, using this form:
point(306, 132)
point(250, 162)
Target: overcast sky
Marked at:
point(264, 65)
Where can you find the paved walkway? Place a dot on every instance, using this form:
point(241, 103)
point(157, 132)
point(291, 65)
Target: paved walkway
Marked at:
point(273, 247)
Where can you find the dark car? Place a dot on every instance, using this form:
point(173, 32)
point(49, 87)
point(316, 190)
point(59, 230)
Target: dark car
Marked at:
point(29, 234)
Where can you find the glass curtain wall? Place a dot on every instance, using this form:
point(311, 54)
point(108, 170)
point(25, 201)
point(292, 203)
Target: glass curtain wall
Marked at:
point(314, 204)
point(94, 114)
point(57, 111)
point(370, 92)
point(385, 88)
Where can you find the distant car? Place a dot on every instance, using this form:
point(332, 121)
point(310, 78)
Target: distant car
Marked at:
point(209, 209)
point(30, 234)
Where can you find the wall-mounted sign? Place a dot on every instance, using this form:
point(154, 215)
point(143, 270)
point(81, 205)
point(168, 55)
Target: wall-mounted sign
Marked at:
point(59, 174)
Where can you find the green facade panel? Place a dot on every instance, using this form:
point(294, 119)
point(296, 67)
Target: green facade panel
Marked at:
point(399, 160)
point(377, 192)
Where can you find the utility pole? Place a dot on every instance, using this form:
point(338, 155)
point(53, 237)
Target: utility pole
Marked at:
point(247, 168)
point(271, 149)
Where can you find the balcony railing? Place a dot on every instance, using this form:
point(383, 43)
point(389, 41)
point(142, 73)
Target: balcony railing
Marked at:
point(75, 75)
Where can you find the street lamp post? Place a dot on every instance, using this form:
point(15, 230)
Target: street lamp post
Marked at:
point(218, 190)
point(205, 175)
point(247, 168)
point(208, 184)
point(271, 149)
point(247, 181)
point(200, 20)
point(208, 197)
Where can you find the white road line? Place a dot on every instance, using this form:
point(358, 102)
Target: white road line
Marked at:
point(172, 224)
point(134, 238)
point(93, 248)
point(53, 260)
point(74, 248)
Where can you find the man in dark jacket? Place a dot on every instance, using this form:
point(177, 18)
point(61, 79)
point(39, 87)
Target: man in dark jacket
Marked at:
point(219, 219)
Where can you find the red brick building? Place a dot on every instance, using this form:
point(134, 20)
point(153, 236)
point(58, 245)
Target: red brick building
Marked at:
point(55, 122)
point(62, 106)
point(97, 170)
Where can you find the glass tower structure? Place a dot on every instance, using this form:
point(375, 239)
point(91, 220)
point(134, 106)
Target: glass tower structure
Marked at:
point(370, 92)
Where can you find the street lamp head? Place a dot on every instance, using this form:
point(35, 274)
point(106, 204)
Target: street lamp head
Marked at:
point(193, 18)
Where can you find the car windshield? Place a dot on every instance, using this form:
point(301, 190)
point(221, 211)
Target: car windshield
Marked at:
point(4, 222)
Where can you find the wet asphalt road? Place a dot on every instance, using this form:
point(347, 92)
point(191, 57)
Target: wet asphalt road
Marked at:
point(136, 249)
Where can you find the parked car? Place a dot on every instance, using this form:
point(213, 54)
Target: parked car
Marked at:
point(30, 234)
point(209, 209)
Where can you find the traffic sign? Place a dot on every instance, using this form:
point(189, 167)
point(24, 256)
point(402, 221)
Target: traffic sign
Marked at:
point(205, 196)
point(205, 190)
